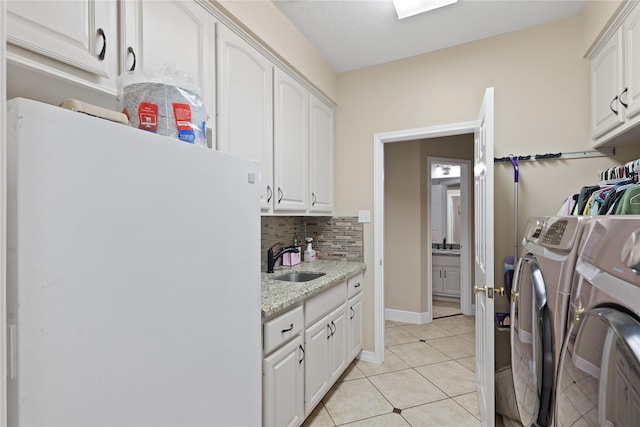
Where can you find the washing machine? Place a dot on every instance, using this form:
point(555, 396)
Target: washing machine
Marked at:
point(539, 306)
point(598, 380)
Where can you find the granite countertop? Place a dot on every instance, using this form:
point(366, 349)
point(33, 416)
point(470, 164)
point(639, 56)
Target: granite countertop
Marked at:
point(278, 295)
point(446, 252)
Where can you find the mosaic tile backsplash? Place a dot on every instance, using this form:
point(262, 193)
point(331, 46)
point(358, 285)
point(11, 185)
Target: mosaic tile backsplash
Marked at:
point(335, 239)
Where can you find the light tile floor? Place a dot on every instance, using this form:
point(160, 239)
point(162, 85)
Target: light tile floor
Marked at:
point(427, 379)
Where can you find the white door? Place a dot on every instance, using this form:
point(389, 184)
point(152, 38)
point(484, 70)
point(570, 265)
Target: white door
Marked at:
point(483, 180)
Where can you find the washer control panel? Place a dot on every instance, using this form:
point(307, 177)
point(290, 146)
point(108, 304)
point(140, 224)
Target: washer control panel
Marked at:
point(553, 234)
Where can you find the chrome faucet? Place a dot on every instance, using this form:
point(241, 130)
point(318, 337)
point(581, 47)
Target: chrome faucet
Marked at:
point(271, 259)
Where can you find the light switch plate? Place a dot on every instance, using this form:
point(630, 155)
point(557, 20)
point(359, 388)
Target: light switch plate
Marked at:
point(364, 216)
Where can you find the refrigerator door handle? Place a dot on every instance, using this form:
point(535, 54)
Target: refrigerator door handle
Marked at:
point(12, 353)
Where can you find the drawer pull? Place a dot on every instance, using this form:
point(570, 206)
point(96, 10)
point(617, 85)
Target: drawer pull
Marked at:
point(330, 333)
point(353, 313)
point(289, 329)
point(357, 286)
point(301, 348)
point(333, 328)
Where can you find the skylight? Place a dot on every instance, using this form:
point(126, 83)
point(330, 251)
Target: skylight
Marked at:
point(407, 8)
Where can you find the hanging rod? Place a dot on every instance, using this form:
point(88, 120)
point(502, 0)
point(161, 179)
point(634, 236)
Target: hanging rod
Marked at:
point(605, 152)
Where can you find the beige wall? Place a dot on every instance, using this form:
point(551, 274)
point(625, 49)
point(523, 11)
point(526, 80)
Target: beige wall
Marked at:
point(403, 227)
point(264, 20)
point(595, 16)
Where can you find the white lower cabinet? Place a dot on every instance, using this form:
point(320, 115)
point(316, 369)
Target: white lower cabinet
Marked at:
point(445, 275)
point(283, 385)
point(355, 326)
point(297, 375)
point(316, 345)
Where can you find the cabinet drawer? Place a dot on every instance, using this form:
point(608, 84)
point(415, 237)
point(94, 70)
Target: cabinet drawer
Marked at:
point(322, 304)
point(447, 261)
point(355, 284)
point(281, 329)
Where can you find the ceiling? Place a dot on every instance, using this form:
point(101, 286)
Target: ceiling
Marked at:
point(354, 34)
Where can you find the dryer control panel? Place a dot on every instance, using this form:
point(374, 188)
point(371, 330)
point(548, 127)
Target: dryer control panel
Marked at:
point(553, 234)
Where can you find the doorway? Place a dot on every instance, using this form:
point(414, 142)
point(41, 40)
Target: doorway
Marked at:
point(449, 231)
point(453, 129)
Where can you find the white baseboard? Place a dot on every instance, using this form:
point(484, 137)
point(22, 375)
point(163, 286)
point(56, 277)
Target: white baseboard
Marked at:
point(408, 316)
point(368, 356)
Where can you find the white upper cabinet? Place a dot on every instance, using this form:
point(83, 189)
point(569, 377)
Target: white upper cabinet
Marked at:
point(180, 34)
point(606, 81)
point(245, 107)
point(81, 34)
point(632, 64)
point(291, 144)
point(615, 79)
point(321, 156)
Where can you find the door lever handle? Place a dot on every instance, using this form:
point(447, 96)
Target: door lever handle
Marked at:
point(477, 289)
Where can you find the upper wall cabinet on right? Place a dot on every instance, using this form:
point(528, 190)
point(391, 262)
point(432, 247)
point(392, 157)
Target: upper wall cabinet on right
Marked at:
point(615, 80)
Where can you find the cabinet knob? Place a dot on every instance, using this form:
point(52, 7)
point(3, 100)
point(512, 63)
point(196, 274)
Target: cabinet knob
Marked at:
point(104, 45)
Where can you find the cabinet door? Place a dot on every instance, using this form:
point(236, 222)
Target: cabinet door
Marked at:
point(81, 33)
point(436, 279)
point(321, 156)
point(606, 83)
point(316, 378)
point(283, 386)
point(178, 34)
point(451, 281)
point(355, 326)
point(338, 344)
point(632, 63)
point(245, 106)
point(291, 143)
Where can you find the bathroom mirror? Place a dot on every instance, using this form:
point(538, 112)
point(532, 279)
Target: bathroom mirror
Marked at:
point(445, 203)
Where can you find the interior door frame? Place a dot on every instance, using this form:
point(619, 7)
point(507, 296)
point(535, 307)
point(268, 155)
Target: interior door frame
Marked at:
point(379, 139)
point(466, 306)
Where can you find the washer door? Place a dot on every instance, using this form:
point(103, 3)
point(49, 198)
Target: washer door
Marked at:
point(599, 376)
point(532, 346)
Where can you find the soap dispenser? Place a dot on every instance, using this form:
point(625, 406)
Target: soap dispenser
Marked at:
point(309, 253)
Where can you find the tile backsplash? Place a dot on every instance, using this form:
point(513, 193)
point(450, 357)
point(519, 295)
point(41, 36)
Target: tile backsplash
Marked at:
point(337, 239)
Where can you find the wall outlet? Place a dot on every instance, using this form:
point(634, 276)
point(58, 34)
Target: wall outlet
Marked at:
point(364, 216)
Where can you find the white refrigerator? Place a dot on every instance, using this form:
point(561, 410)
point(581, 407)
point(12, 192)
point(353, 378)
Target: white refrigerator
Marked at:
point(133, 275)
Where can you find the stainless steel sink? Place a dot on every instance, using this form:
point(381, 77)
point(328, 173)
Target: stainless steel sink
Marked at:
point(299, 276)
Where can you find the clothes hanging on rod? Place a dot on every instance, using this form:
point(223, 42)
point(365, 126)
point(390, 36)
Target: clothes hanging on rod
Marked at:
point(617, 193)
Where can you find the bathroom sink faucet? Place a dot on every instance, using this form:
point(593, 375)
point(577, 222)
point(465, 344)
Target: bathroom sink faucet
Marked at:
point(271, 259)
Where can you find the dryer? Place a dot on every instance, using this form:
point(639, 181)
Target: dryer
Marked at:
point(599, 375)
point(539, 305)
